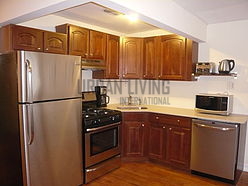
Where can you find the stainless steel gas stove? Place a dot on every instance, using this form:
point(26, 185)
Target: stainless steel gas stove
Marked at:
point(101, 135)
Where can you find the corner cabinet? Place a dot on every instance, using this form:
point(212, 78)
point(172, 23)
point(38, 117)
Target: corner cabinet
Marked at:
point(131, 58)
point(16, 37)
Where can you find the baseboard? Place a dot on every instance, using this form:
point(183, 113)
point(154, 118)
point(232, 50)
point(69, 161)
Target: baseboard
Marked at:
point(246, 167)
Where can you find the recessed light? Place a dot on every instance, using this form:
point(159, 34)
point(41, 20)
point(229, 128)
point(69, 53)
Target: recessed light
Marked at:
point(132, 17)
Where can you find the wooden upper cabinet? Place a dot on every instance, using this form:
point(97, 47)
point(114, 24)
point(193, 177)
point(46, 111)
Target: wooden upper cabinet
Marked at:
point(150, 58)
point(78, 41)
point(16, 37)
point(172, 57)
point(55, 43)
point(97, 45)
point(112, 57)
point(177, 56)
point(24, 38)
point(131, 57)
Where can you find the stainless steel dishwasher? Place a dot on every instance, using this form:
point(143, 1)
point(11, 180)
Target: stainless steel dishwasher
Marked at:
point(214, 148)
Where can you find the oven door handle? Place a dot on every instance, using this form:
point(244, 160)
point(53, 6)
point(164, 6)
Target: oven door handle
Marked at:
point(103, 127)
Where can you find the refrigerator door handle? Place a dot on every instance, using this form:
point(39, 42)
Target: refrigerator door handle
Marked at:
point(79, 86)
point(29, 81)
point(30, 124)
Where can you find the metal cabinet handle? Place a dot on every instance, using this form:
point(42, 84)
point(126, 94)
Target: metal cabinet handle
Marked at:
point(46, 49)
point(142, 125)
point(178, 121)
point(91, 54)
point(163, 127)
point(170, 128)
point(38, 48)
point(157, 117)
point(215, 128)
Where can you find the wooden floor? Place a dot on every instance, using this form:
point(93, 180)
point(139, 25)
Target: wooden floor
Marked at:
point(149, 174)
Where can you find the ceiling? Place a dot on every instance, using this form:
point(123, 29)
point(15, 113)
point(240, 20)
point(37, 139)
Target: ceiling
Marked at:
point(209, 11)
point(95, 14)
point(216, 11)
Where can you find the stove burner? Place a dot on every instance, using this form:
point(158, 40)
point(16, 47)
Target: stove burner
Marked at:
point(95, 117)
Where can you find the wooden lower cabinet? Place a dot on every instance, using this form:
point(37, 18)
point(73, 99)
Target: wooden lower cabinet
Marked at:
point(156, 142)
point(159, 137)
point(178, 146)
point(134, 136)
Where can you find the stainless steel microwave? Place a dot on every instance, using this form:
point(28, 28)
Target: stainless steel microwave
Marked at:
point(221, 104)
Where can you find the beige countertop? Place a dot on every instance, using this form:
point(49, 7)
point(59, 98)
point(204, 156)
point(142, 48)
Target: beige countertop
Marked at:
point(233, 118)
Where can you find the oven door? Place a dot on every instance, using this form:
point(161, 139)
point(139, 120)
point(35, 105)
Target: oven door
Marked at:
point(102, 143)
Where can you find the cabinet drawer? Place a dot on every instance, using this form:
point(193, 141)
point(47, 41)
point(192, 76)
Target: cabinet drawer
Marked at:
point(175, 120)
point(134, 116)
point(153, 117)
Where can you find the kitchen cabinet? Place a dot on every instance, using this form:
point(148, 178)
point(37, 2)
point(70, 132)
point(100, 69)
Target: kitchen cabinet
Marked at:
point(177, 56)
point(131, 58)
point(112, 59)
point(84, 42)
point(157, 141)
point(134, 136)
point(169, 139)
point(178, 146)
point(16, 37)
point(55, 43)
point(150, 59)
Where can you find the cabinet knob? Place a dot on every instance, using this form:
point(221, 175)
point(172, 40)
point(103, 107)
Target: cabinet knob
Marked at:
point(170, 128)
point(144, 75)
point(86, 54)
point(178, 121)
point(142, 125)
point(157, 117)
point(123, 75)
point(46, 49)
point(159, 76)
point(91, 54)
point(38, 48)
point(163, 127)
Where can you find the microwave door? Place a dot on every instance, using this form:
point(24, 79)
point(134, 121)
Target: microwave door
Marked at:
point(45, 76)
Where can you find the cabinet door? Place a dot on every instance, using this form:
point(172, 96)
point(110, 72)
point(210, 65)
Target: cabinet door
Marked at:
point(156, 141)
point(150, 58)
point(112, 60)
point(78, 41)
point(25, 38)
point(172, 57)
point(134, 136)
point(131, 58)
point(178, 146)
point(55, 42)
point(97, 45)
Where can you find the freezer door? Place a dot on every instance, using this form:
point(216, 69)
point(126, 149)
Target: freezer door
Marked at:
point(45, 76)
point(53, 147)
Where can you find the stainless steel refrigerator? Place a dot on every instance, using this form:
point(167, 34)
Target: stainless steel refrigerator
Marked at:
point(41, 118)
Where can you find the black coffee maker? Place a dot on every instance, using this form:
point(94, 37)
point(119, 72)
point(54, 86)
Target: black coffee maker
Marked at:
point(101, 96)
